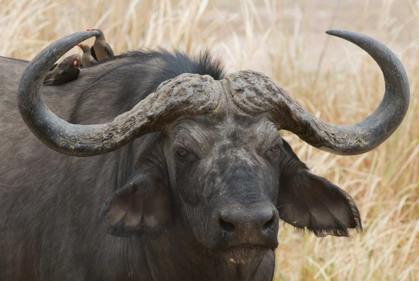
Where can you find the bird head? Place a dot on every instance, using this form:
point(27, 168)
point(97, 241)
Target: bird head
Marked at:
point(76, 62)
point(98, 30)
point(85, 48)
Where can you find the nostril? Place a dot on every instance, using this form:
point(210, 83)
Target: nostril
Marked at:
point(267, 226)
point(227, 226)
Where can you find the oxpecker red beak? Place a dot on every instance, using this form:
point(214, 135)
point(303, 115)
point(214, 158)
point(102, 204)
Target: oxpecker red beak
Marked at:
point(75, 63)
point(89, 29)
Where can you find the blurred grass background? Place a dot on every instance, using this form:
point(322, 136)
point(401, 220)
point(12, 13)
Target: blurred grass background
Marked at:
point(333, 79)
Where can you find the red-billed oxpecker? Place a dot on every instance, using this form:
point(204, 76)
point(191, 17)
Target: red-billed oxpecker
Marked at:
point(87, 60)
point(101, 49)
point(67, 70)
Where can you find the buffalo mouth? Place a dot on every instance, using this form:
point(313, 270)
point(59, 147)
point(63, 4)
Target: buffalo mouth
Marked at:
point(243, 262)
point(244, 254)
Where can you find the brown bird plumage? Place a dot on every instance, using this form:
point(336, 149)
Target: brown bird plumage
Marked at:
point(67, 70)
point(100, 49)
point(87, 60)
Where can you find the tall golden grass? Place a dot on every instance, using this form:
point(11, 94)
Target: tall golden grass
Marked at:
point(333, 79)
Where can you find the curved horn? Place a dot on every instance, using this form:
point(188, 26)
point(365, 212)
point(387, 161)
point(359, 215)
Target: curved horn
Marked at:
point(187, 94)
point(362, 137)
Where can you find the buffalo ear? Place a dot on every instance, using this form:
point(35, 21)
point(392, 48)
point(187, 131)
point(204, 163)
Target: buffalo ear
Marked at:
point(309, 201)
point(141, 205)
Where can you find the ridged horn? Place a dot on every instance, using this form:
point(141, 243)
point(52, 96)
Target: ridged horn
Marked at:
point(185, 95)
point(254, 93)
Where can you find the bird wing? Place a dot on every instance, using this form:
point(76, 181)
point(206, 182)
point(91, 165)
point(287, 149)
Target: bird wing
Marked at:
point(92, 51)
point(109, 50)
point(51, 80)
point(61, 77)
point(50, 75)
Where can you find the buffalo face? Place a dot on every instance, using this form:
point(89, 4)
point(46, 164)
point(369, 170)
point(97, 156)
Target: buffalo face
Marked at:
point(225, 174)
point(233, 177)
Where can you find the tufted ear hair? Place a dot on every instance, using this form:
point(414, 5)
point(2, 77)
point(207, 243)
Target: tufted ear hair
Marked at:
point(309, 201)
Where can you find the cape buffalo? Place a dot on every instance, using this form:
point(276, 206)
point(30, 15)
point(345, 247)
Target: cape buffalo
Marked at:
point(191, 177)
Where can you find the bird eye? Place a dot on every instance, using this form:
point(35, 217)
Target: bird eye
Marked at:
point(182, 153)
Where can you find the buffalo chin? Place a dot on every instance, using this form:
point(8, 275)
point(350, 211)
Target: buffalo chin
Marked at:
point(243, 262)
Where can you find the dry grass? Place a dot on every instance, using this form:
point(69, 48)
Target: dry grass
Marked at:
point(330, 77)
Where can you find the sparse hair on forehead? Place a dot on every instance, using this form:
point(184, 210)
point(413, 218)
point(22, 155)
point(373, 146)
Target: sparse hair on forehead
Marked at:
point(233, 130)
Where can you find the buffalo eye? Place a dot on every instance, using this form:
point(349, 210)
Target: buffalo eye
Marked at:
point(273, 151)
point(182, 153)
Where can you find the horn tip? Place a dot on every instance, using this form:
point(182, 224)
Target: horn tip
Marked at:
point(335, 32)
